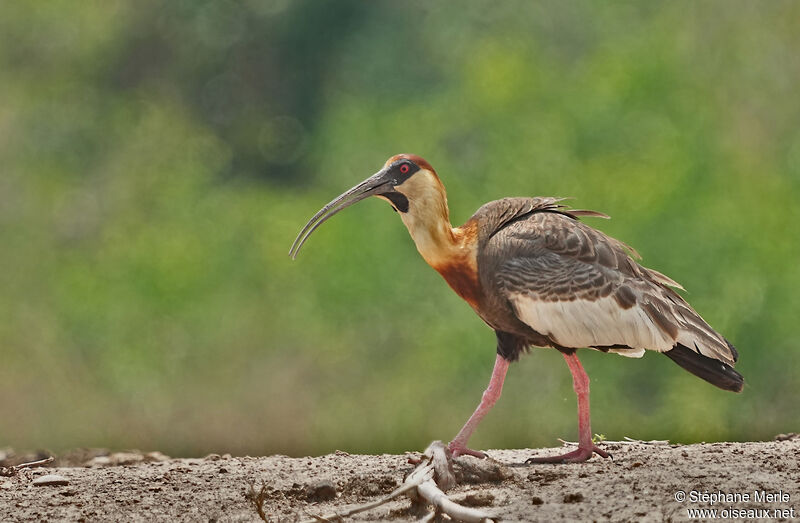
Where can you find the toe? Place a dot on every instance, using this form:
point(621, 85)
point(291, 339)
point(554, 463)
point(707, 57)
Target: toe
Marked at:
point(460, 450)
point(578, 455)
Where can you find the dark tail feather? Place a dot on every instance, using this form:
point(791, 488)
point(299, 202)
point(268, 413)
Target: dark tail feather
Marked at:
point(713, 371)
point(734, 352)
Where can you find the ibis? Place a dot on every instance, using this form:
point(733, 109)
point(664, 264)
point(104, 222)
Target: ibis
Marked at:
point(540, 277)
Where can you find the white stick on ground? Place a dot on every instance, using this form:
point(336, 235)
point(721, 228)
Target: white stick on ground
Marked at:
point(337, 516)
point(626, 441)
point(10, 471)
point(429, 490)
point(423, 484)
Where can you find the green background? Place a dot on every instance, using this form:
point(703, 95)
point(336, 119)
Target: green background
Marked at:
point(158, 158)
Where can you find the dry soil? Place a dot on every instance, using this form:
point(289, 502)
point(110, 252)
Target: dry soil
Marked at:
point(640, 484)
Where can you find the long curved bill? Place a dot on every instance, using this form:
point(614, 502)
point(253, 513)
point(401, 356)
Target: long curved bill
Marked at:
point(376, 184)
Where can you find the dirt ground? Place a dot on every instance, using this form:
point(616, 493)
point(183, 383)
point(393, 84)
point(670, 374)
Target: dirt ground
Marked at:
point(640, 484)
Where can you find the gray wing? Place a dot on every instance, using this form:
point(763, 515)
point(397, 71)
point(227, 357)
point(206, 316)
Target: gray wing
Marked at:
point(581, 288)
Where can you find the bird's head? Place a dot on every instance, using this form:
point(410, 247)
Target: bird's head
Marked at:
point(406, 181)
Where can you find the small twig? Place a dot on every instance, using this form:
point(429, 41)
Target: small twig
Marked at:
point(641, 442)
point(626, 441)
point(258, 499)
point(11, 471)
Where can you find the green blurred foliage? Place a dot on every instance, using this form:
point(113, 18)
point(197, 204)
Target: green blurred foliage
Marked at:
point(159, 157)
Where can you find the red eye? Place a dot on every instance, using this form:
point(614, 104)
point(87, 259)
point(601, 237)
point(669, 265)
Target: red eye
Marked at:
point(404, 168)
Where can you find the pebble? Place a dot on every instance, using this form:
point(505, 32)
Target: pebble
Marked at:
point(156, 457)
point(50, 480)
point(99, 461)
point(126, 458)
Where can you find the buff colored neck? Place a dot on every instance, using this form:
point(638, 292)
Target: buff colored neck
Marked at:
point(452, 252)
point(439, 243)
point(436, 242)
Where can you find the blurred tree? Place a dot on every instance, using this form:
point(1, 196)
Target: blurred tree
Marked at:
point(159, 157)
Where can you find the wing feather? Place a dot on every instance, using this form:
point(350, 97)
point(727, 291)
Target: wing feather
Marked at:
point(581, 288)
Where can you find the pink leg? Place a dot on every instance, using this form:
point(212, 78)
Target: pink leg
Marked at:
point(580, 382)
point(459, 445)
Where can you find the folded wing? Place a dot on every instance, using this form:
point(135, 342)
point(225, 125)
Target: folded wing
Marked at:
point(582, 288)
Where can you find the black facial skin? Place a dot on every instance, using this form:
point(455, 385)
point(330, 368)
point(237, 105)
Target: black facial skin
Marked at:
point(399, 201)
point(400, 171)
point(397, 168)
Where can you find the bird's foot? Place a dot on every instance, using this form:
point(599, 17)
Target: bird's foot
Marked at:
point(579, 455)
point(459, 449)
